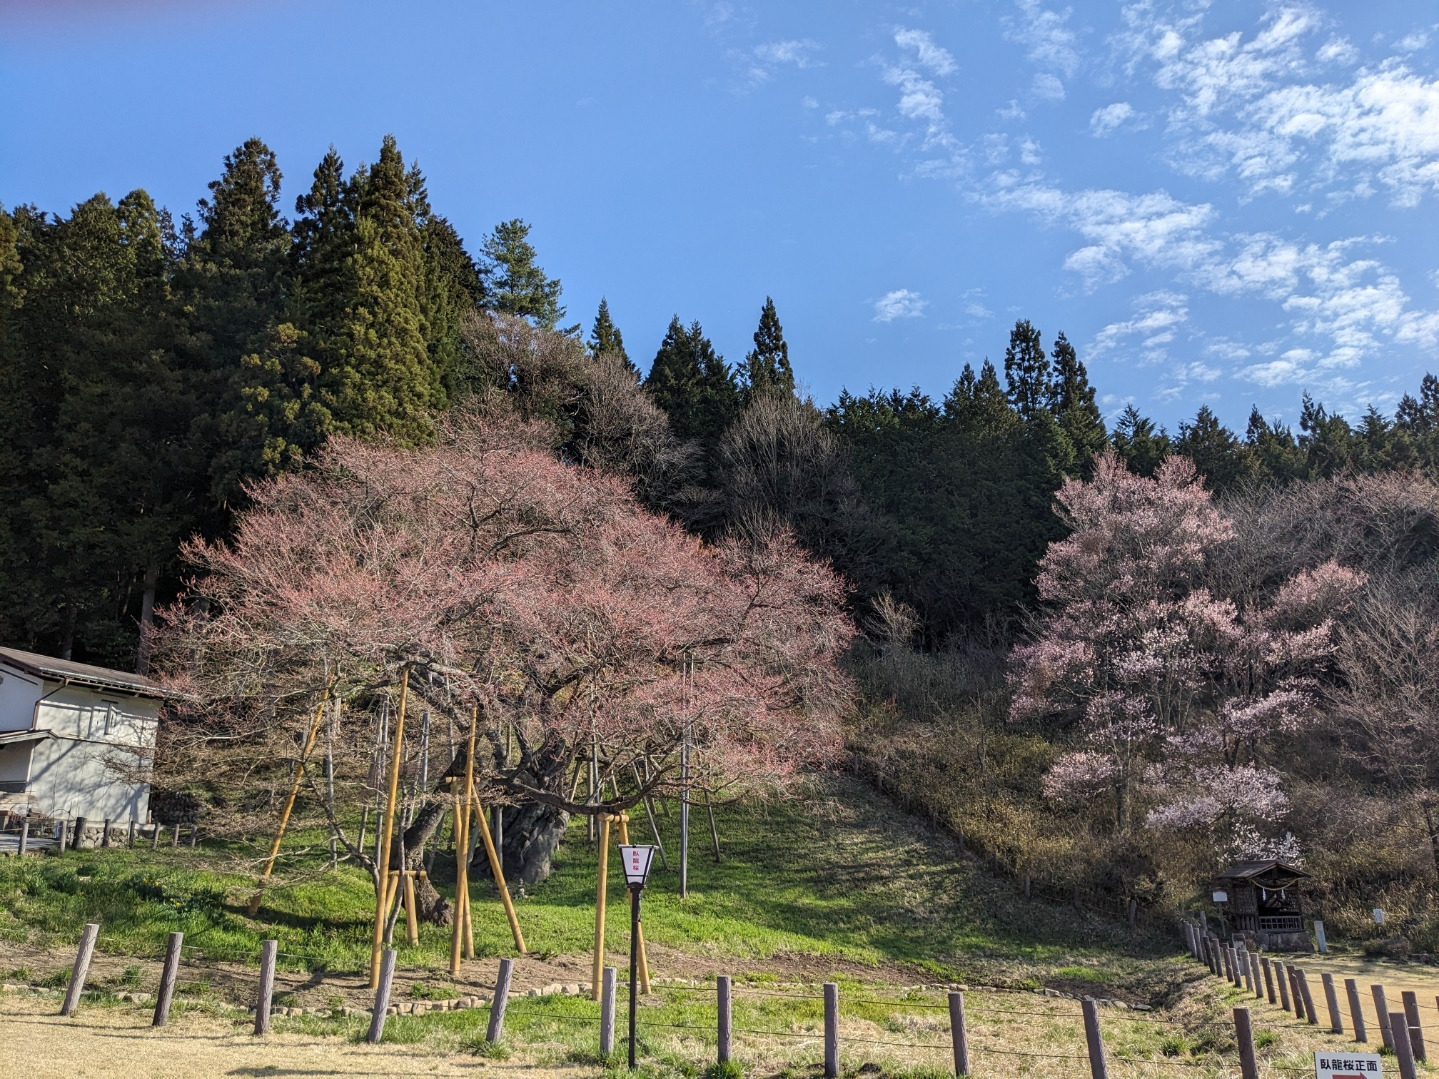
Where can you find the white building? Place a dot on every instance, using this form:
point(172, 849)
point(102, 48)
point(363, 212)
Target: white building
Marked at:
point(75, 740)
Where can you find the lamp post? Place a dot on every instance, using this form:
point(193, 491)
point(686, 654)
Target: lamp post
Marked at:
point(636, 859)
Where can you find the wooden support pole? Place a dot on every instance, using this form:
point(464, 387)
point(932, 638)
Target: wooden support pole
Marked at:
point(168, 973)
point(64, 836)
point(81, 969)
point(1244, 979)
point(1331, 998)
point(607, 1011)
point(1281, 976)
point(397, 753)
point(1294, 991)
point(79, 835)
point(155, 837)
point(24, 836)
point(723, 1018)
point(175, 840)
point(105, 835)
point(1255, 979)
point(1399, 1031)
point(831, 1030)
point(502, 995)
point(602, 882)
point(412, 921)
point(1356, 1011)
point(1268, 977)
point(1381, 1008)
point(644, 971)
point(1416, 1029)
point(289, 806)
point(382, 997)
point(1098, 1069)
point(462, 846)
point(958, 1035)
point(266, 995)
point(1244, 1035)
point(194, 835)
point(498, 871)
point(130, 842)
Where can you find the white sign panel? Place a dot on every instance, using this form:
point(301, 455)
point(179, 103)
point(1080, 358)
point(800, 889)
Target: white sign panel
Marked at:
point(1221, 897)
point(1378, 916)
point(636, 861)
point(1330, 1065)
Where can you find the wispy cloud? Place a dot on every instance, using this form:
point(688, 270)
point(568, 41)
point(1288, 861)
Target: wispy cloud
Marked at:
point(899, 303)
point(927, 54)
point(1110, 118)
point(1046, 34)
point(799, 53)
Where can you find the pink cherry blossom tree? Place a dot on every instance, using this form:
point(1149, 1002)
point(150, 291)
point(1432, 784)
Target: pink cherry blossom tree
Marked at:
point(534, 595)
point(1171, 695)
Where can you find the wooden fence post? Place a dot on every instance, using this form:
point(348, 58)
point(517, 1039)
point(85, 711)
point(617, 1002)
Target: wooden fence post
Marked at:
point(1310, 1013)
point(1351, 989)
point(1281, 976)
point(1244, 1035)
point(168, 973)
point(1097, 1068)
point(175, 842)
point(268, 949)
point(194, 835)
point(958, 1035)
point(723, 1018)
point(1416, 1031)
point(1245, 979)
point(1268, 977)
point(502, 995)
point(1331, 998)
point(105, 835)
point(24, 835)
point(155, 837)
point(79, 836)
point(130, 842)
point(81, 970)
point(607, 1011)
point(1294, 992)
point(64, 836)
point(382, 997)
point(1254, 976)
point(831, 1030)
point(1381, 1006)
point(1399, 1031)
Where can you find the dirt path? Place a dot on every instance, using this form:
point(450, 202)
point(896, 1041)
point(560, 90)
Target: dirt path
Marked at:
point(1395, 977)
point(118, 1043)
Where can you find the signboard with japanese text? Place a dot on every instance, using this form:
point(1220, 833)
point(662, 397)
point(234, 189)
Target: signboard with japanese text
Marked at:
point(1331, 1065)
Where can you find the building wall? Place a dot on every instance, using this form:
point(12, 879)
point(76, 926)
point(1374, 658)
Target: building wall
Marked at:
point(97, 765)
point(18, 694)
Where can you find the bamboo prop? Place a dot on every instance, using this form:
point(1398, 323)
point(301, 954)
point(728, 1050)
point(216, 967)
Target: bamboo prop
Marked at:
point(382, 908)
point(624, 822)
point(254, 906)
point(412, 924)
point(601, 892)
point(498, 871)
point(462, 852)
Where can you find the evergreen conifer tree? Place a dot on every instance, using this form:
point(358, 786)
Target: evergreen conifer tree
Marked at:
point(1220, 458)
point(694, 386)
point(767, 366)
point(1027, 370)
point(1272, 447)
point(515, 283)
point(1074, 408)
point(605, 338)
point(1138, 443)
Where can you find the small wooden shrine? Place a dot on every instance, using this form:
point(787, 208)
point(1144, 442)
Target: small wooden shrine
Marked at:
point(1263, 899)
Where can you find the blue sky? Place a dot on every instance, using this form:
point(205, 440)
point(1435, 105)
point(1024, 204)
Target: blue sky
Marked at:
point(1217, 202)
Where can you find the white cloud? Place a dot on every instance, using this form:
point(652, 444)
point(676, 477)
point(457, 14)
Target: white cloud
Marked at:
point(1259, 110)
point(899, 303)
point(1292, 367)
point(1412, 42)
point(1046, 33)
point(800, 53)
point(919, 99)
point(1158, 317)
point(927, 54)
point(1047, 87)
point(1030, 153)
point(808, 102)
point(1106, 120)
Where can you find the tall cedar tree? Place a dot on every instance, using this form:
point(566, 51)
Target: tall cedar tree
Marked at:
point(767, 366)
point(1074, 408)
point(1139, 445)
point(1027, 371)
point(1221, 460)
point(694, 386)
point(515, 283)
point(606, 340)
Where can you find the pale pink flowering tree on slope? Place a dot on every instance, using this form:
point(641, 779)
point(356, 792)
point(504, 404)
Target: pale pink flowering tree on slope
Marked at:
point(1171, 692)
